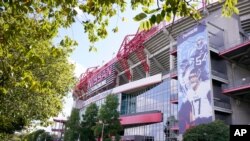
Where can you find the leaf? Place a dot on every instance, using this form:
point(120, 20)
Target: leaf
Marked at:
point(153, 19)
point(124, 19)
point(92, 48)
point(163, 13)
point(140, 17)
point(168, 17)
point(141, 27)
point(158, 18)
point(236, 10)
point(6, 26)
point(3, 91)
point(115, 29)
point(148, 11)
point(148, 25)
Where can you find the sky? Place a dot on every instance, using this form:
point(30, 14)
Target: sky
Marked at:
point(106, 48)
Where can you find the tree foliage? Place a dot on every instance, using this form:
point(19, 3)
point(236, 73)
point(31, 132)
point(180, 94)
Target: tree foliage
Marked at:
point(169, 10)
point(45, 136)
point(215, 131)
point(108, 117)
point(97, 13)
point(88, 122)
point(72, 128)
point(39, 134)
point(35, 75)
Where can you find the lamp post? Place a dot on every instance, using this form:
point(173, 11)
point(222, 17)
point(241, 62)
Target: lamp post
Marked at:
point(102, 130)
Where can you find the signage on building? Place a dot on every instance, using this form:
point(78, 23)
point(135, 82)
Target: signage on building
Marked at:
point(105, 77)
point(101, 75)
point(194, 79)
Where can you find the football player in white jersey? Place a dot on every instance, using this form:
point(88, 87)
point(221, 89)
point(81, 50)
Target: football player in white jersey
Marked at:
point(199, 96)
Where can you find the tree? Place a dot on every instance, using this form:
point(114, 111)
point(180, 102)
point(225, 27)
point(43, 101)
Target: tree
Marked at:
point(72, 127)
point(215, 131)
point(108, 117)
point(97, 13)
point(35, 75)
point(88, 122)
point(38, 135)
point(45, 136)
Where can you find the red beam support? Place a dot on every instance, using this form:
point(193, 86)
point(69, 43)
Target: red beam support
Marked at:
point(134, 43)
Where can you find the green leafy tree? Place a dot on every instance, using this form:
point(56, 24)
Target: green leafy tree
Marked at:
point(72, 127)
point(215, 131)
point(38, 135)
point(108, 117)
point(35, 75)
point(99, 12)
point(88, 123)
point(45, 136)
point(168, 10)
point(35, 135)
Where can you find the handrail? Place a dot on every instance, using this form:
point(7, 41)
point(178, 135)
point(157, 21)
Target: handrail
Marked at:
point(222, 104)
point(234, 45)
point(219, 74)
point(237, 83)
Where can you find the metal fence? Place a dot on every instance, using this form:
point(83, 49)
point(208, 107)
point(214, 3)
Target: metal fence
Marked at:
point(245, 81)
point(222, 104)
point(219, 74)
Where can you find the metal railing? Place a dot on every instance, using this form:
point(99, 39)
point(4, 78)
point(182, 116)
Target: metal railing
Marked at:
point(234, 43)
point(245, 81)
point(219, 74)
point(216, 36)
point(222, 104)
point(216, 47)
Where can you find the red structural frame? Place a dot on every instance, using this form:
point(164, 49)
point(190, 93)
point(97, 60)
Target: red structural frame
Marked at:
point(134, 43)
point(85, 78)
point(131, 43)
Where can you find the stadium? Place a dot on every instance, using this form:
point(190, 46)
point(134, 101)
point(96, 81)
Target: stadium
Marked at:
point(164, 75)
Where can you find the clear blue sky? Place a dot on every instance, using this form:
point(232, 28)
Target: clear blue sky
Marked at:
point(107, 47)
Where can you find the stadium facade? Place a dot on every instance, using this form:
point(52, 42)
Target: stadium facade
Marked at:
point(178, 77)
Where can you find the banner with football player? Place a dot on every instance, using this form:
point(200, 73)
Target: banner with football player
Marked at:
point(194, 80)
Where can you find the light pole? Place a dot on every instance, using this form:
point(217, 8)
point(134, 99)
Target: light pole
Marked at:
point(102, 130)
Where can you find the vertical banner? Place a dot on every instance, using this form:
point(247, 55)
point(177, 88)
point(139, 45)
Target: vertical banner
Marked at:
point(194, 80)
